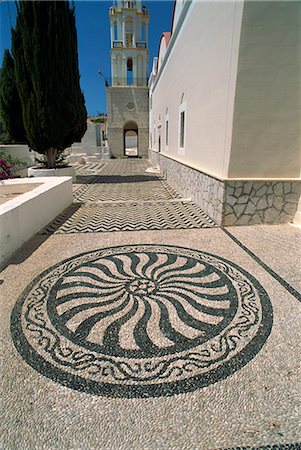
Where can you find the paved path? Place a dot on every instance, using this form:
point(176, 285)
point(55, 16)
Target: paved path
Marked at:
point(124, 331)
point(119, 195)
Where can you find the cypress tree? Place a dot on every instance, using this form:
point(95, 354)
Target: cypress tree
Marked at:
point(12, 129)
point(44, 45)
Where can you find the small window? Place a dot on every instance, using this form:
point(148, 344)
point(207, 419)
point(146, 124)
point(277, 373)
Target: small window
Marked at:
point(166, 132)
point(182, 125)
point(159, 137)
point(115, 32)
point(182, 128)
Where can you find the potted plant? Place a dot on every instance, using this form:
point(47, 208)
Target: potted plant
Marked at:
point(61, 167)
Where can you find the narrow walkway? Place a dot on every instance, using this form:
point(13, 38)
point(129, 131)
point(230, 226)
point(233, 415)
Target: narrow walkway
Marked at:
point(120, 195)
point(133, 323)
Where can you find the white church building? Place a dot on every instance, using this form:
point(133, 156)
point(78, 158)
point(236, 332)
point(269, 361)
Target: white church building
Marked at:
point(225, 108)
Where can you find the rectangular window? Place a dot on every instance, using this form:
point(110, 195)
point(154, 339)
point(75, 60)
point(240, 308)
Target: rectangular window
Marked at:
point(166, 132)
point(159, 138)
point(182, 128)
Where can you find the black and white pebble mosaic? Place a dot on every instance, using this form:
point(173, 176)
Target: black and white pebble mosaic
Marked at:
point(141, 321)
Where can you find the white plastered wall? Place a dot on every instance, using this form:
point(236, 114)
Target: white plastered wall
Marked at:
point(266, 140)
point(177, 13)
point(162, 52)
point(202, 65)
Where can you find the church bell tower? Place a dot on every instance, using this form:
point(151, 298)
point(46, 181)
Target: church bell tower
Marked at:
point(127, 96)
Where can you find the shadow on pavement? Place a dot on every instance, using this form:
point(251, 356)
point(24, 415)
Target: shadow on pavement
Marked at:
point(114, 179)
point(25, 251)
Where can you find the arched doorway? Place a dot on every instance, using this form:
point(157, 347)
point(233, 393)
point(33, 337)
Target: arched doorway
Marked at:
point(130, 134)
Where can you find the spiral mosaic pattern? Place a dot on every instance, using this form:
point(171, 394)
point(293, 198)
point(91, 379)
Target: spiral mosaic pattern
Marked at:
point(141, 320)
point(142, 303)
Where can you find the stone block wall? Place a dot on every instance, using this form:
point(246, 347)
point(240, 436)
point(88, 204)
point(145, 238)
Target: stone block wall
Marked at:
point(116, 144)
point(255, 202)
point(124, 105)
point(244, 202)
point(205, 191)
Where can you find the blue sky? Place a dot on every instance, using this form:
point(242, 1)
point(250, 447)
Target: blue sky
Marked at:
point(94, 41)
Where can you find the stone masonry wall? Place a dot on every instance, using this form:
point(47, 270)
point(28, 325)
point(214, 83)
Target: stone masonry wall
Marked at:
point(205, 191)
point(255, 202)
point(233, 202)
point(125, 104)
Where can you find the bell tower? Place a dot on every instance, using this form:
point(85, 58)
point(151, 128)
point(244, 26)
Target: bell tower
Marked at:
point(129, 43)
point(127, 97)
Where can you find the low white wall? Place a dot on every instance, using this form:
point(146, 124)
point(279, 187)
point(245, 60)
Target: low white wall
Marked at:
point(26, 214)
point(88, 143)
point(56, 172)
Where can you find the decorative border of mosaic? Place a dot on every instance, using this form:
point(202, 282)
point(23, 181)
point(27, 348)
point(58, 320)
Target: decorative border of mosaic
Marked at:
point(295, 446)
point(141, 320)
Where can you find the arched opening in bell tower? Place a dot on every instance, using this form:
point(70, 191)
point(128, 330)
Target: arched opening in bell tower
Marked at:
point(130, 139)
point(129, 67)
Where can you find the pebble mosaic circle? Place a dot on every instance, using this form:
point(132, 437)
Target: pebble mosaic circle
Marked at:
point(141, 320)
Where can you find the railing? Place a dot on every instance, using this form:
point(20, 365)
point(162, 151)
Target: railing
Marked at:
point(128, 4)
point(141, 44)
point(117, 44)
point(129, 43)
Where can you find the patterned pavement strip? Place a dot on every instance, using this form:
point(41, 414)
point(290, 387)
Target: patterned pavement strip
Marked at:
point(97, 218)
point(114, 189)
point(121, 196)
point(89, 168)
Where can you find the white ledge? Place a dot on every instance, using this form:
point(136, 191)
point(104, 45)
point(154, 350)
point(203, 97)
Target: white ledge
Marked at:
point(24, 215)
